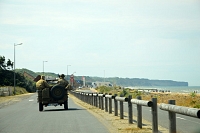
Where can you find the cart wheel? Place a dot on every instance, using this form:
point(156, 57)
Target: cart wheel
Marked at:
point(40, 106)
point(66, 105)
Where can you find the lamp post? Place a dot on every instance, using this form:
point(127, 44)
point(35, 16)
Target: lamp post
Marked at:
point(104, 76)
point(43, 66)
point(14, 65)
point(67, 71)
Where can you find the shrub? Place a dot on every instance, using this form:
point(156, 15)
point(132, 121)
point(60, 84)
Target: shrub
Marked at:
point(136, 93)
point(197, 106)
point(20, 90)
point(104, 89)
point(125, 92)
point(192, 94)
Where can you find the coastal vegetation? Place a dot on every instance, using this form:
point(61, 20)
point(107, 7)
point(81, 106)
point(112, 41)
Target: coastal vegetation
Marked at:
point(182, 99)
point(23, 84)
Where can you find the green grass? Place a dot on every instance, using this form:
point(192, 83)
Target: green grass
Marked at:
point(20, 90)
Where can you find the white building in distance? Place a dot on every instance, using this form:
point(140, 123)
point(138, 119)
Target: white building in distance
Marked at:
point(97, 84)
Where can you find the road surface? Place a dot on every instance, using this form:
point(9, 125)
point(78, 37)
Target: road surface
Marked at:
point(24, 117)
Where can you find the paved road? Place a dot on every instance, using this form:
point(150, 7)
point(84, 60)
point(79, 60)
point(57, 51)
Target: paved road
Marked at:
point(24, 117)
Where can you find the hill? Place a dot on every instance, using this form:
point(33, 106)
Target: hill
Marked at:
point(6, 79)
point(115, 80)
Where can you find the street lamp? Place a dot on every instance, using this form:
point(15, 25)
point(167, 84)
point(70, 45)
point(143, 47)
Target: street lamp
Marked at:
point(67, 71)
point(43, 66)
point(14, 65)
point(104, 76)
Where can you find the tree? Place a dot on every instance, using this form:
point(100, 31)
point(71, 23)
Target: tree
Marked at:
point(2, 62)
point(9, 64)
point(4, 65)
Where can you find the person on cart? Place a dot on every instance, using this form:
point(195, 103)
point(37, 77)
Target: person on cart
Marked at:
point(62, 81)
point(42, 83)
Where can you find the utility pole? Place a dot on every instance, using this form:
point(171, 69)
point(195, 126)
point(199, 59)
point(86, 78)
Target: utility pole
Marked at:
point(67, 71)
point(104, 76)
point(14, 67)
point(43, 66)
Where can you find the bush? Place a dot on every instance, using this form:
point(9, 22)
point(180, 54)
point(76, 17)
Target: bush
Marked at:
point(136, 93)
point(125, 93)
point(20, 90)
point(197, 106)
point(192, 94)
point(104, 89)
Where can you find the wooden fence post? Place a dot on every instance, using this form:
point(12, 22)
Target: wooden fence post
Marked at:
point(106, 103)
point(96, 100)
point(102, 103)
point(92, 100)
point(139, 114)
point(99, 101)
point(110, 105)
point(130, 110)
point(116, 106)
point(121, 108)
point(154, 116)
point(172, 118)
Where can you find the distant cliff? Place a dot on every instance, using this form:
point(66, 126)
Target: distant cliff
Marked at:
point(147, 82)
point(138, 81)
point(116, 80)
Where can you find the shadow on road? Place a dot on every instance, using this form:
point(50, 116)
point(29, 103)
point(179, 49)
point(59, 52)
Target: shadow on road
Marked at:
point(70, 109)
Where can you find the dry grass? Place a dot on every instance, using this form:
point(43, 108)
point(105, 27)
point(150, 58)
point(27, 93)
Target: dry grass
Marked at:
point(182, 99)
point(188, 100)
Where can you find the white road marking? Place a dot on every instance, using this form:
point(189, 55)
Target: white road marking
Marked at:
point(188, 120)
point(31, 100)
point(181, 118)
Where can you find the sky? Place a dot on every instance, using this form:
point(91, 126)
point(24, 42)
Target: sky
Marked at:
point(105, 38)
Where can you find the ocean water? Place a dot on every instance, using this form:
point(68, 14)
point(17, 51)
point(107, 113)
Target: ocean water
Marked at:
point(179, 89)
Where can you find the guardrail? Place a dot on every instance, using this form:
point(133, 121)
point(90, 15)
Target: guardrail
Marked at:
point(173, 109)
point(105, 100)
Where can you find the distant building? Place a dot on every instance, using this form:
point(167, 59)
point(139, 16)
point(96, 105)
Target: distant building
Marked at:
point(97, 84)
point(27, 75)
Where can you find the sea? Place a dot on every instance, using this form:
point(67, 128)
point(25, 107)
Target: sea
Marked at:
point(177, 89)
